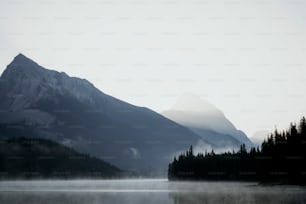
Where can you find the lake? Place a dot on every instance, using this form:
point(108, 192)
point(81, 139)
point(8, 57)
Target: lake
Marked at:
point(145, 191)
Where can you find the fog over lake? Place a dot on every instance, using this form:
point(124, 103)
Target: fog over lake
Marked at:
point(140, 191)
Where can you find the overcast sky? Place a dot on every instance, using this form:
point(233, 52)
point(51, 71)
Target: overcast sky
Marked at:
point(248, 58)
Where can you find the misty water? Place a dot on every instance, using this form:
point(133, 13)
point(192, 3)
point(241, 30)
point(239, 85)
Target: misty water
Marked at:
point(145, 191)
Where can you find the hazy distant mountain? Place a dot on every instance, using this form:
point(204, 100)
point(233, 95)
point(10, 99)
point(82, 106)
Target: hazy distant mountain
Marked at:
point(207, 121)
point(259, 136)
point(73, 112)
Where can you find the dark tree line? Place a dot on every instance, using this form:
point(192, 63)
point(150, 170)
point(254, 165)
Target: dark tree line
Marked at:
point(281, 158)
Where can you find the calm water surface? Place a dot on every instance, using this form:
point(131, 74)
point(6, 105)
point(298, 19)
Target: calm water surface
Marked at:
point(145, 191)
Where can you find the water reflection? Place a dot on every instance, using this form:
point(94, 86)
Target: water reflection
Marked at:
point(235, 192)
point(146, 192)
point(261, 198)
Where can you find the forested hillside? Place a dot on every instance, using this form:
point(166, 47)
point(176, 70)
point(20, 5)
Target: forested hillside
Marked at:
point(40, 158)
point(281, 158)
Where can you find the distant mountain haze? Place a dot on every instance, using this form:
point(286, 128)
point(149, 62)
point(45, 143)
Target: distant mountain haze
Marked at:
point(259, 136)
point(207, 121)
point(52, 105)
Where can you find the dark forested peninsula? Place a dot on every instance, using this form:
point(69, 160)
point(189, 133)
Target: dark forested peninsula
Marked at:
point(281, 158)
point(39, 158)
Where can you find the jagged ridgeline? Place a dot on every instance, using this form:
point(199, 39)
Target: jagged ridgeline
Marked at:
point(281, 158)
point(40, 158)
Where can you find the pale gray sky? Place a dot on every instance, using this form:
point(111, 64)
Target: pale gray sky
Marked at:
point(248, 58)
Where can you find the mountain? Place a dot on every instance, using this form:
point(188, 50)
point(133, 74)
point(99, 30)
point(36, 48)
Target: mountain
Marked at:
point(71, 111)
point(39, 158)
point(207, 121)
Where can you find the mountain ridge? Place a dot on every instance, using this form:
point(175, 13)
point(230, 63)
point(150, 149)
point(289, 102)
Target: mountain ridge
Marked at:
point(73, 112)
